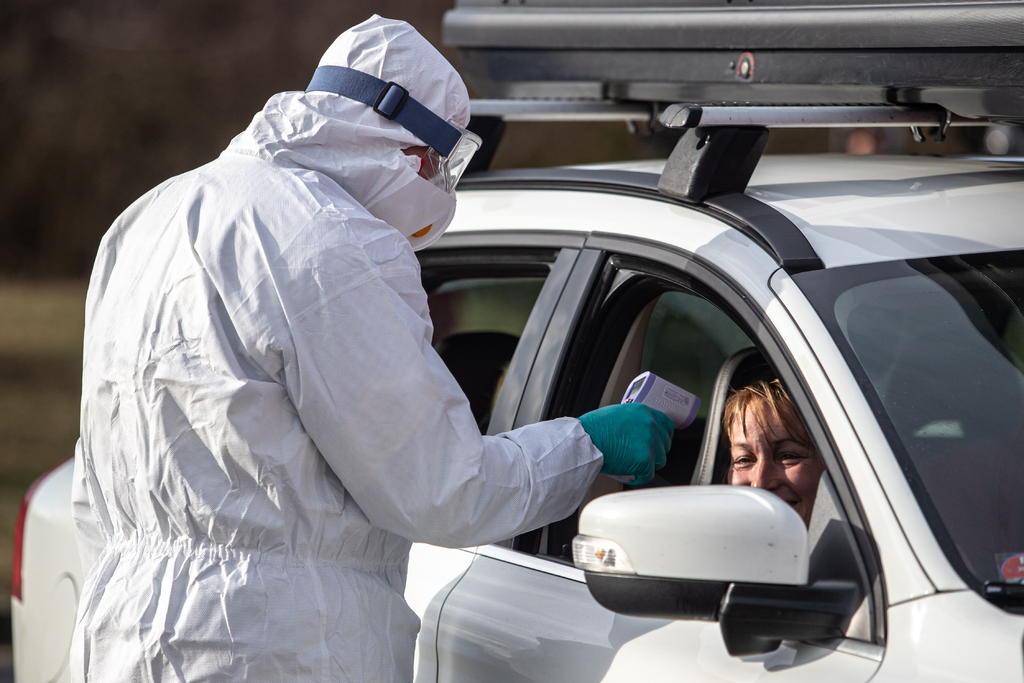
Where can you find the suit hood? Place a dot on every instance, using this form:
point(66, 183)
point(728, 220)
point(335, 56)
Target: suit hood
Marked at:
point(354, 145)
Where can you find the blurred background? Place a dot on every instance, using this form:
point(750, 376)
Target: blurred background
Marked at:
point(107, 98)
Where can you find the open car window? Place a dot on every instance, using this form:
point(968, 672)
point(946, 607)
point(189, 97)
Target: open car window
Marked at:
point(477, 326)
point(684, 339)
point(682, 332)
point(642, 324)
point(489, 308)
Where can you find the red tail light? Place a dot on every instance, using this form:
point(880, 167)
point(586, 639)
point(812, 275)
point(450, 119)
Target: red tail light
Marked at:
point(19, 537)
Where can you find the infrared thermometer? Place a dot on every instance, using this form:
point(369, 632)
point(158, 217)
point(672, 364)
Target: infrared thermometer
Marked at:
point(651, 390)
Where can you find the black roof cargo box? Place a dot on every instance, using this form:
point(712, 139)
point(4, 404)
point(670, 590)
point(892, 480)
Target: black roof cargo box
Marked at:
point(967, 55)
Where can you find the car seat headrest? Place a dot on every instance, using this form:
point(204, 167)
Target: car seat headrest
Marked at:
point(477, 361)
point(742, 368)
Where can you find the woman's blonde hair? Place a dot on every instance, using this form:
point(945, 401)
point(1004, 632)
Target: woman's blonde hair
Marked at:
point(762, 400)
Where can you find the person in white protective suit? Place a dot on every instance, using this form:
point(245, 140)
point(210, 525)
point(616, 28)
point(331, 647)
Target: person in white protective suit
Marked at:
point(265, 426)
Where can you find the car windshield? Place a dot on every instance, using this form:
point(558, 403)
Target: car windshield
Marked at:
point(938, 345)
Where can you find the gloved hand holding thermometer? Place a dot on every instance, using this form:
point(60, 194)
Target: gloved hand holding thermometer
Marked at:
point(635, 435)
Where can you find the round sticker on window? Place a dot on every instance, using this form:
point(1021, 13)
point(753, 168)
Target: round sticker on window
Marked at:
point(1012, 568)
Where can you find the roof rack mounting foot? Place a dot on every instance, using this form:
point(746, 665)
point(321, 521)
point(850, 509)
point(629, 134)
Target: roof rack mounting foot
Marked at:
point(710, 161)
point(940, 133)
point(491, 130)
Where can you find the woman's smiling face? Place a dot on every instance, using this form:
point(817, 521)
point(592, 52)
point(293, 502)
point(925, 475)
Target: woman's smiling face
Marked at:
point(767, 456)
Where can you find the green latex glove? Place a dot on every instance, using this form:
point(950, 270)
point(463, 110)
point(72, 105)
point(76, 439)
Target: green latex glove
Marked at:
point(633, 438)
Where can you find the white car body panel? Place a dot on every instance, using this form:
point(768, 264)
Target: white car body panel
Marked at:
point(952, 637)
point(493, 614)
point(691, 231)
point(906, 209)
point(474, 647)
point(513, 622)
point(44, 618)
point(435, 572)
point(600, 214)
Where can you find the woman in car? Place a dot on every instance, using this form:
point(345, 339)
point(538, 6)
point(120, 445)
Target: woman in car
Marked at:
point(769, 446)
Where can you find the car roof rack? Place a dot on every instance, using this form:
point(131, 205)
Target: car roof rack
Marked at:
point(720, 145)
point(489, 117)
point(759, 63)
point(687, 115)
point(563, 110)
point(746, 67)
point(712, 161)
point(966, 56)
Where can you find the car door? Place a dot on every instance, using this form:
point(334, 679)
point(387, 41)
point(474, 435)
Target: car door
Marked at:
point(522, 612)
point(490, 303)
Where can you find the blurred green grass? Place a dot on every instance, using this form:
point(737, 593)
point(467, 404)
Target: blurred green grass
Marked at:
point(40, 383)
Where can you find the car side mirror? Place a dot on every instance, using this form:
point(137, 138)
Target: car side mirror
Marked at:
point(731, 554)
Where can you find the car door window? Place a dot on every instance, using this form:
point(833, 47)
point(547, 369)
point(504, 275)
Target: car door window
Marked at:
point(489, 308)
point(683, 338)
point(477, 326)
point(652, 325)
point(678, 328)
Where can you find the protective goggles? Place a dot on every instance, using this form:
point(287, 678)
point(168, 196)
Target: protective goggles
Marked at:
point(450, 147)
point(444, 172)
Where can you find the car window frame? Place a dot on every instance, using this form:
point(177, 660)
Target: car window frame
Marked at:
point(684, 268)
point(466, 256)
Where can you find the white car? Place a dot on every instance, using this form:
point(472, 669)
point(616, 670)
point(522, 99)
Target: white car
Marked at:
point(887, 293)
point(903, 349)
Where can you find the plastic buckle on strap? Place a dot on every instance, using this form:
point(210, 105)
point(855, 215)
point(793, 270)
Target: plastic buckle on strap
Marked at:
point(390, 101)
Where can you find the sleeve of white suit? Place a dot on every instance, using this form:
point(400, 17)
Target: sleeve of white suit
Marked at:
point(396, 428)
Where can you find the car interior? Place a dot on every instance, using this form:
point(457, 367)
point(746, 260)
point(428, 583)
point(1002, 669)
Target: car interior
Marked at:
point(478, 322)
point(478, 361)
point(696, 452)
point(699, 453)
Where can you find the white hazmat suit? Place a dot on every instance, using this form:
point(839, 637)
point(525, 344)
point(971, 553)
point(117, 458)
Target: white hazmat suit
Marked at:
point(265, 426)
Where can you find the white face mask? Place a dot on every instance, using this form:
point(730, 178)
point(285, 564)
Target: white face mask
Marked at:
point(441, 172)
point(421, 212)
